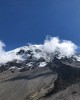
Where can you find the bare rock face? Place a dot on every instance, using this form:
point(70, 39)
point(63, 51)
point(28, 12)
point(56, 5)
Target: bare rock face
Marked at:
point(71, 93)
point(47, 83)
point(28, 85)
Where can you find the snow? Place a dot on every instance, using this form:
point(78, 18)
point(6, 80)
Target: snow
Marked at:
point(36, 53)
point(12, 67)
point(29, 64)
point(77, 57)
point(42, 64)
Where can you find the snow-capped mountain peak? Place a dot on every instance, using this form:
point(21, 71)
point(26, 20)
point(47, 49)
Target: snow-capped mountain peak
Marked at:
point(37, 52)
point(32, 56)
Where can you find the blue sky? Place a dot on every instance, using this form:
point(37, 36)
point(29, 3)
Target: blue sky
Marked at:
point(29, 21)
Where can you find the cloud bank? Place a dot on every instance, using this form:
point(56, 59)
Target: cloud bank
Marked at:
point(51, 46)
point(4, 56)
point(64, 47)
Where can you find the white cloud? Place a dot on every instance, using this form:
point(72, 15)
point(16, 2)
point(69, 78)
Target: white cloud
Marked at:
point(4, 56)
point(51, 46)
point(64, 47)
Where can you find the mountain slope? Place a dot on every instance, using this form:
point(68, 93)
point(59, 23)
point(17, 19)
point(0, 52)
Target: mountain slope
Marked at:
point(31, 56)
point(39, 75)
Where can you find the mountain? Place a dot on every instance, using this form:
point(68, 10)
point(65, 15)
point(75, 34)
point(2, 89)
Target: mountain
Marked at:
point(31, 56)
point(39, 75)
